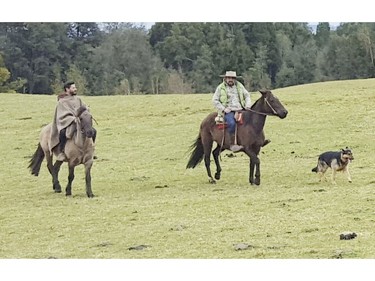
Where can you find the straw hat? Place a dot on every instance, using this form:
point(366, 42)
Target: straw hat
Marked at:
point(231, 74)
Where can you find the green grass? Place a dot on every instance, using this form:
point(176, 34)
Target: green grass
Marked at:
point(145, 196)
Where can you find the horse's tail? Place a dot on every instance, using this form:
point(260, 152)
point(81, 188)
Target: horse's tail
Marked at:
point(36, 161)
point(197, 153)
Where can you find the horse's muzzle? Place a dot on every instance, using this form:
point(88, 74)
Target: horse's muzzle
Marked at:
point(90, 133)
point(283, 114)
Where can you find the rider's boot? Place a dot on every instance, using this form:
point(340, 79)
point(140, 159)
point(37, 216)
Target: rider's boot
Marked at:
point(62, 137)
point(267, 141)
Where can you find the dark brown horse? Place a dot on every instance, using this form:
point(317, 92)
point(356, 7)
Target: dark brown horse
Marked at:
point(78, 150)
point(250, 135)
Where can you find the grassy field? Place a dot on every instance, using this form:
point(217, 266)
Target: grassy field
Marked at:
point(145, 196)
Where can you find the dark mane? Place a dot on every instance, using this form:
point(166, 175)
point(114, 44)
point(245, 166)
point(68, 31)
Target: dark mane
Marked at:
point(247, 115)
point(80, 110)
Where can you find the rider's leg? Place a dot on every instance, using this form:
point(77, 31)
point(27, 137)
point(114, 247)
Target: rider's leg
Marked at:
point(230, 120)
point(62, 138)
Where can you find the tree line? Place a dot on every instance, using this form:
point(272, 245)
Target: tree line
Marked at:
point(124, 58)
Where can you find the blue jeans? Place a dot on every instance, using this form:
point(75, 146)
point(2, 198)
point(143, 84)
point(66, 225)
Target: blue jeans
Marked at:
point(231, 122)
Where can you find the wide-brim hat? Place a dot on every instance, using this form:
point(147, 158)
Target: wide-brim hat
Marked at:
point(231, 74)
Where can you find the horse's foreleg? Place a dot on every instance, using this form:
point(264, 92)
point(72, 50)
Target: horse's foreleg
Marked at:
point(251, 174)
point(88, 179)
point(254, 168)
point(55, 176)
point(216, 154)
point(68, 189)
point(257, 171)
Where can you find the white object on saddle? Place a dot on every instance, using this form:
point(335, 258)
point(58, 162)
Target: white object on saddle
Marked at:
point(219, 119)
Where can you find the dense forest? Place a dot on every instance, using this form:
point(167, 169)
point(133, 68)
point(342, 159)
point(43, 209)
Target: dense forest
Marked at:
point(125, 58)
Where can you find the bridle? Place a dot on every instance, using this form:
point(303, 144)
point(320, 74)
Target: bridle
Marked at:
point(263, 113)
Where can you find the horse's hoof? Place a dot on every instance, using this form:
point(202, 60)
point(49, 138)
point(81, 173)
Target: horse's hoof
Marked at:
point(217, 176)
point(257, 181)
point(57, 188)
point(212, 181)
point(90, 195)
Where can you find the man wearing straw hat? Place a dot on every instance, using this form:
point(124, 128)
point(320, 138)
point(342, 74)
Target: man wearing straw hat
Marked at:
point(231, 96)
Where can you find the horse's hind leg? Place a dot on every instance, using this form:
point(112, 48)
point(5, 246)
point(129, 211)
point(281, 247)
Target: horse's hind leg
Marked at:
point(50, 167)
point(216, 154)
point(55, 176)
point(88, 179)
point(207, 147)
point(68, 189)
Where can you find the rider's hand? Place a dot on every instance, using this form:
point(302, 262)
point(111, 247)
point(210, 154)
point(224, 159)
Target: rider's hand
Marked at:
point(227, 110)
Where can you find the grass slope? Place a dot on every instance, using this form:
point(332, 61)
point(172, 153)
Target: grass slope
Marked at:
point(145, 196)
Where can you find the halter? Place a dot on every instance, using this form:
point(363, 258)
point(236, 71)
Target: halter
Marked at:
point(263, 113)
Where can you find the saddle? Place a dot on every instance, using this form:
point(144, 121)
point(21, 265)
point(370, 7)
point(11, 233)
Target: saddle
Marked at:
point(221, 124)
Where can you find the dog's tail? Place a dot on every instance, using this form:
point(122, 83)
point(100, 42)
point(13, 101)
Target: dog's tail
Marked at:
point(315, 169)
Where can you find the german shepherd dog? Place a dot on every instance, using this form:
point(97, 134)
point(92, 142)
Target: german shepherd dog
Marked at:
point(337, 161)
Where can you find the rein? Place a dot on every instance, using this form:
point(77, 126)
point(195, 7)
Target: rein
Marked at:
point(263, 113)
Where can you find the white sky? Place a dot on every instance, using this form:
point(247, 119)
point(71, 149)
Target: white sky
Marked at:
point(187, 11)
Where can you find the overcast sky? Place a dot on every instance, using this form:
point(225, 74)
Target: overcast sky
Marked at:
point(187, 11)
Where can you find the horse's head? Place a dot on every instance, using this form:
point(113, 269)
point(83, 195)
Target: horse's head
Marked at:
point(85, 117)
point(273, 105)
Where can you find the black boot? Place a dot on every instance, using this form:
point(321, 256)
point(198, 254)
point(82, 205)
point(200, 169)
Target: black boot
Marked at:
point(93, 139)
point(62, 138)
point(94, 135)
point(267, 141)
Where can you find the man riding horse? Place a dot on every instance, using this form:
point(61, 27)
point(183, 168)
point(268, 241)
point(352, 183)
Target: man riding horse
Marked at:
point(62, 128)
point(230, 97)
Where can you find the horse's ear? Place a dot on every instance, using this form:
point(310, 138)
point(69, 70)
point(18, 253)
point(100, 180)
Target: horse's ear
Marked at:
point(263, 92)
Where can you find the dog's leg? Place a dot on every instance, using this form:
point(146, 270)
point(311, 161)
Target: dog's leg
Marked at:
point(321, 176)
point(333, 176)
point(346, 170)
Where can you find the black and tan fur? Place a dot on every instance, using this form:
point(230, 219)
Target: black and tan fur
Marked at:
point(337, 161)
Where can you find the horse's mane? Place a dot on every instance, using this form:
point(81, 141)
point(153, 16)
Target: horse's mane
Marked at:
point(246, 115)
point(80, 110)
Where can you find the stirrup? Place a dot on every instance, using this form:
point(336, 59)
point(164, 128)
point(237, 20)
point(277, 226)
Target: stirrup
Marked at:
point(61, 156)
point(236, 147)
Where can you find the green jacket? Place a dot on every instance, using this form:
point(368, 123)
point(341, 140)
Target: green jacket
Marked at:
point(224, 97)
